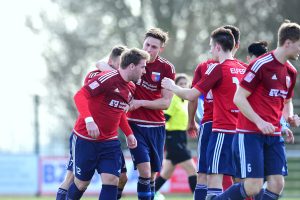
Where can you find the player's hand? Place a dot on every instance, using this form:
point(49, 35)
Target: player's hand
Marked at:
point(192, 130)
point(168, 83)
point(289, 136)
point(131, 141)
point(135, 104)
point(294, 120)
point(266, 127)
point(92, 129)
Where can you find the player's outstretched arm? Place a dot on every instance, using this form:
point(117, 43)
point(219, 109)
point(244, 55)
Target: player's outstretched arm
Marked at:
point(185, 93)
point(241, 101)
point(162, 103)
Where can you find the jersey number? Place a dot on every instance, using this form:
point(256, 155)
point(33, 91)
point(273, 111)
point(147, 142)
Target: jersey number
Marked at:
point(236, 81)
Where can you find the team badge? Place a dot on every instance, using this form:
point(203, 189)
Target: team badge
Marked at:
point(155, 76)
point(288, 81)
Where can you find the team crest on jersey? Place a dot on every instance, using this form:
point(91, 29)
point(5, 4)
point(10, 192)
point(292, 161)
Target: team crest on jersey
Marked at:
point(288, 81)
point(155, 76)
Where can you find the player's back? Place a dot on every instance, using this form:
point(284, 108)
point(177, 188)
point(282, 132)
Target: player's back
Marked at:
point(222, 79)
point(225, 111)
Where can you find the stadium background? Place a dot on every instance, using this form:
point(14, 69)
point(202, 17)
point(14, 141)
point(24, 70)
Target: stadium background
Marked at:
point(48, 46)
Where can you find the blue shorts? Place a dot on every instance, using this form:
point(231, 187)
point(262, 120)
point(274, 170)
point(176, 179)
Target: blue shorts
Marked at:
point(204, 133)
point(150, 146)
point(69, 166)
point(259, 155)
point(219, 154)
point(104, 156)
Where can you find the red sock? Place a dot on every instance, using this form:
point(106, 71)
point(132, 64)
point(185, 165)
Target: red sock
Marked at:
point(227, 182)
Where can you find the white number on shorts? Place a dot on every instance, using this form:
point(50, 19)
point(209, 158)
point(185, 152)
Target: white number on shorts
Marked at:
point(249, 169)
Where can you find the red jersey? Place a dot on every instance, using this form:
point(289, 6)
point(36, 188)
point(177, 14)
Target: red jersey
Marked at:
point(107, 95)
point(270, 83)
point(149, 88)
point(124, 126)
point(222, 79)
point(208, 97)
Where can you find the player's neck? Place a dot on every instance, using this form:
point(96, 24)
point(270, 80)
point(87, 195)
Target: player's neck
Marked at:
point(225, 56)
point(124, 75)
point(279, 54)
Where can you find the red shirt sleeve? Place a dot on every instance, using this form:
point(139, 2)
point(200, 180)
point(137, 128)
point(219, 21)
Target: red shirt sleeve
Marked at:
point(211, 78)
point(251, 79)
point(124, 126)
point(81, 102)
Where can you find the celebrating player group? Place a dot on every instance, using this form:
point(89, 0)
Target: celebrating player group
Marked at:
point(241, 150)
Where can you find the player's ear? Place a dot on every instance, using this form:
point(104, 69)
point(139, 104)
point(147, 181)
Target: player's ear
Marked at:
point(161, 49)
point(287, 43)
point(131, 66)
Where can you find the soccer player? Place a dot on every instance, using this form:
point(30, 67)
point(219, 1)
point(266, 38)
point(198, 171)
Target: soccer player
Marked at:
point(176, 140)
point(264, 95)
point(147, 118)
point(101, 104)
point(221, 79)
point(112, 63)
point(206, 123)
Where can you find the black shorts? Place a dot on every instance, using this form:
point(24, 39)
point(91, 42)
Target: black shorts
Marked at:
point(176, 147)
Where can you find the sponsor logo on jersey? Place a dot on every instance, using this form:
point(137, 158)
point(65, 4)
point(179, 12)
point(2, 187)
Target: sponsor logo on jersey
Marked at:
point(155, 76)
point(278, 93)
point(249, 77)
point(94, 85)
point(288, 81)
point(118, 104)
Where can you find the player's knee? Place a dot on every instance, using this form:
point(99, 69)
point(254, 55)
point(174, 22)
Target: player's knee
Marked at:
point(276, 185)
point(144, 170)
point(109, 179)
point(253, 186)
point(81, 185)
point(123, 179)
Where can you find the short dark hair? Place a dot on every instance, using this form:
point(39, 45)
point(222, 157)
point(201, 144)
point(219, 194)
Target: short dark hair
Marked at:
point(158, 34)
point(180, 76)
point(134, 56)
point(258, 48)
point(235, 32)
point(288, 31)
point(224, 38)
point(117, 51)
